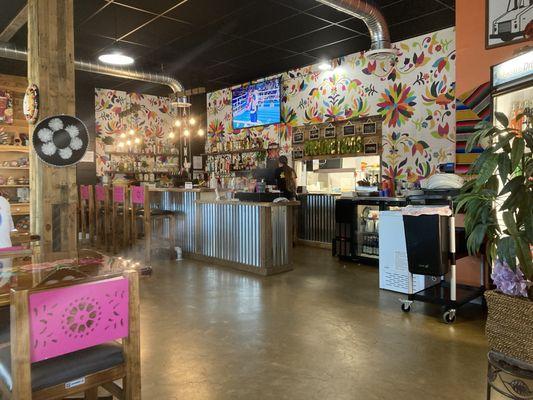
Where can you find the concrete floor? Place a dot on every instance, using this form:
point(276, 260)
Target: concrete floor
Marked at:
point(322, 331)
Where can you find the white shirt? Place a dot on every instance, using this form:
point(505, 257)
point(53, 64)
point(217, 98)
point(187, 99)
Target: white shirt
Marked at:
point(6, 223)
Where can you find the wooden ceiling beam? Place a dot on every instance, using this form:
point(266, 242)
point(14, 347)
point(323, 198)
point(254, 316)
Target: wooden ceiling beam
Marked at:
point(16, 23)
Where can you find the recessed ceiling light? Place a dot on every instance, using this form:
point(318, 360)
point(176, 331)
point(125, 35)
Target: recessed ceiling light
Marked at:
point(116, 59)
point(325, 66)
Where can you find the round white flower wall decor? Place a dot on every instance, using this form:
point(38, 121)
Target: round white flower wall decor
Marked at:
point(61, 140)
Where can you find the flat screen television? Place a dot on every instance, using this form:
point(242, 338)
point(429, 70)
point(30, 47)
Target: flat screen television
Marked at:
point(256, 104)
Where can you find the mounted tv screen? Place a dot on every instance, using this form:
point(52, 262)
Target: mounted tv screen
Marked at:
point(257, 104)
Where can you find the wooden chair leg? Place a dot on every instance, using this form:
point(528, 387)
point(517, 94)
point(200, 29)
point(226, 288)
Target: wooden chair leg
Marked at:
point(91, 394)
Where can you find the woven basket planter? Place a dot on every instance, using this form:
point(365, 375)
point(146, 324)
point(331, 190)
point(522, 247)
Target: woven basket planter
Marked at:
point(510, 325)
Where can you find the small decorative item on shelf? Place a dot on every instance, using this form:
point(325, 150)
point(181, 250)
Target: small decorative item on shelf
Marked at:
point(17, 141)
point(30, 104)
point(23, 223)
point(11, 180)
point(4, 137)
point(2, 180)
point(510, 306)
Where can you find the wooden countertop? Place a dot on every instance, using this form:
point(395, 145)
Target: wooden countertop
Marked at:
point(249, 203)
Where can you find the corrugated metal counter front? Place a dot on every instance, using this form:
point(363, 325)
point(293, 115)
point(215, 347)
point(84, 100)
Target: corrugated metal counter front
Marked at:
point(317, 219)
point(255, 237)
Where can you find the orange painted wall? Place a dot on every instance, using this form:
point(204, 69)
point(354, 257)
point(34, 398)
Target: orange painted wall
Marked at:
point(473, 61)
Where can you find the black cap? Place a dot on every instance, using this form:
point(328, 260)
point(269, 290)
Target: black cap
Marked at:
point(283, 160)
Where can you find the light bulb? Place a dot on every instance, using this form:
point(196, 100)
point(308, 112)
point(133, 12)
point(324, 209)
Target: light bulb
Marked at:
point(200, 132)
point(186, 132)
point(122, 135)
point(177, 123)
point(192, 121)
point(132, 132)
point(171, 135)
point(137, 140)
point(128, 142)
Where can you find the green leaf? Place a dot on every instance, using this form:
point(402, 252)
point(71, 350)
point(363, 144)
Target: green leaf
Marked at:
point(512, 185)
point(487, 169)
point(508, 219)
point(517, 152)
point(506, 251)
point(502, 118)
point(475, 239)
point(504, 166)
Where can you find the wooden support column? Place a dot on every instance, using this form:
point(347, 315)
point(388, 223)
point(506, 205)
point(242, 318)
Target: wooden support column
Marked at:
point(51, 67)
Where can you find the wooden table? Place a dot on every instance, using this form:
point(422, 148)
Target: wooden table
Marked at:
point(29, 271)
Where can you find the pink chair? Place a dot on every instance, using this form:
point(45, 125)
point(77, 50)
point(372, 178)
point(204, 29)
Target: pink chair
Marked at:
point(66, 341)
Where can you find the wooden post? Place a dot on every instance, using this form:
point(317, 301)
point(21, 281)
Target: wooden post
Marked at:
point(132, 344)
point(20, 345)
point(54, 193)
point(147, 227)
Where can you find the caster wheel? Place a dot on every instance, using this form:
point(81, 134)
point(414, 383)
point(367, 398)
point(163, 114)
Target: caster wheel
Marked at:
point(406, 307)
point(449, 317)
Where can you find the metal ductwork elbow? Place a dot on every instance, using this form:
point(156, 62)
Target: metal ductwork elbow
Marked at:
point(373, 18)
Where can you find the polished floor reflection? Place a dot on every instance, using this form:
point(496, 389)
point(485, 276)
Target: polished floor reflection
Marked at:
point(322, 331)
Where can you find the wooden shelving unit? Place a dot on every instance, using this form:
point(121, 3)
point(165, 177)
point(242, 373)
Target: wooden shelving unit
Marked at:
point(16, 85)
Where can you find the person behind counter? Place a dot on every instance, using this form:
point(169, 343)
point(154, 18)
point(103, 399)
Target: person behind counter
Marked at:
point(286, 178)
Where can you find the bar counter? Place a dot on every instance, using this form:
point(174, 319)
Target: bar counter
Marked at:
point(250, 236)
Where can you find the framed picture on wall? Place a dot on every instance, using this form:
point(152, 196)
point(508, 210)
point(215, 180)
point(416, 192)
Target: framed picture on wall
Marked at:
point(506, 21)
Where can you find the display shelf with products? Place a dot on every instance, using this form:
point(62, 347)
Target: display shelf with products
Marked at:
point(14, 149)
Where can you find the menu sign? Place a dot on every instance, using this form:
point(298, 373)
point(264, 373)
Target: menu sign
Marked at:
point(314, 134)
point(329, 132)
point(298, 137)
point(517, 68)
point(298, 153)
point(369, 128)
point(348, 130)
point(371, 148)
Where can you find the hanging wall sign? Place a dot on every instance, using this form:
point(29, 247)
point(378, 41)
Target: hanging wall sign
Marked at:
point(369, 128)
point(348, 129)
point(298, 136)
point(297, 154)
point(371, 148)
point(30, 105)
point(329, 131)
point(314, 133)
point(61, 140)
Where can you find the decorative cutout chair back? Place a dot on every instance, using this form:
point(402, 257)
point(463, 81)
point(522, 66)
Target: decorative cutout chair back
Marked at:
point(84, 192)
point(119, 194)
point(99, 193)
point(137, 195)
point(77, 317)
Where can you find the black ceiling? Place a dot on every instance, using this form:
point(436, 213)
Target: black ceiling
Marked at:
point(217, 43)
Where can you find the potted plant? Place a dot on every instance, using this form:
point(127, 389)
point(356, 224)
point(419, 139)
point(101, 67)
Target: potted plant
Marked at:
point(498, 205)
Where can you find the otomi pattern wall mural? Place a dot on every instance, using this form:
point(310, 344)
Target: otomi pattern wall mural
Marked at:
point(416, 98)
point(153, 120)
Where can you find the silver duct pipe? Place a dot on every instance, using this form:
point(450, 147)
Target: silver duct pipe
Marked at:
point(174, 84)
point(370, 15)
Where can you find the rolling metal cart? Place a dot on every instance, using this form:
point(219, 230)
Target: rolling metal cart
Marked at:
point(431, 250)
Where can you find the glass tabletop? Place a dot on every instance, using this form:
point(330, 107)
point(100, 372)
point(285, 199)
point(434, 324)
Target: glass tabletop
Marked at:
point(27, 271)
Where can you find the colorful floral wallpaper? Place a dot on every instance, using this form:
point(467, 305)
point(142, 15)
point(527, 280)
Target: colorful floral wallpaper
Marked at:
point(153, 120)
point(415, 96)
